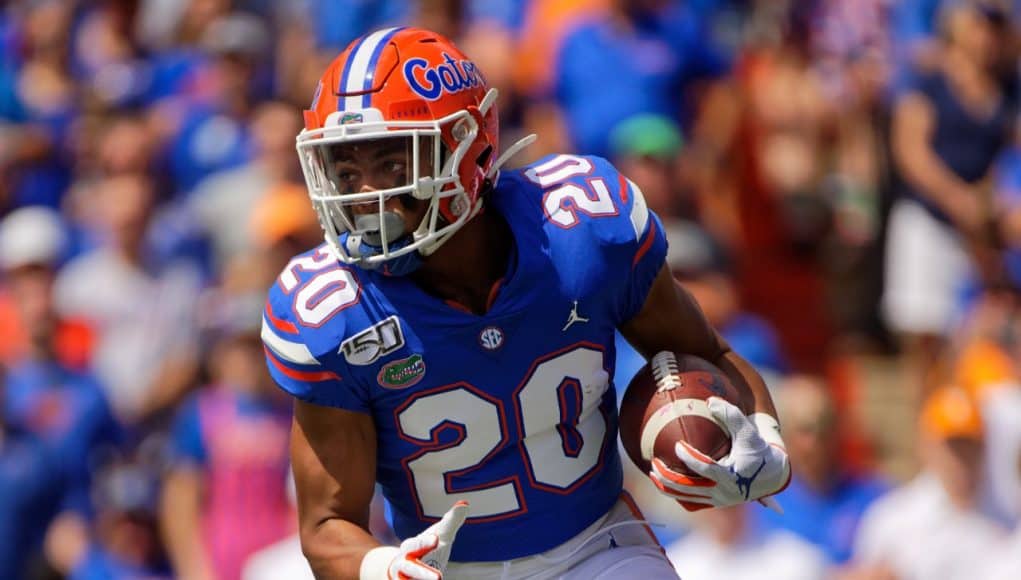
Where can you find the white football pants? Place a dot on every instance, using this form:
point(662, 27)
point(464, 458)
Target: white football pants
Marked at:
point(616, 546)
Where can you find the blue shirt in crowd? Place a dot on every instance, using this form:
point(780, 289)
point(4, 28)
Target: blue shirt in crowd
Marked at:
point(67, 411)
point(99, 564)
point(829, 521)
point(32, 486)
point(605, 74)
point(968, 144)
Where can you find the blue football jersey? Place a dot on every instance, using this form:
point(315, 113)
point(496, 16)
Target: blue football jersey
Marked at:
point(512, 410)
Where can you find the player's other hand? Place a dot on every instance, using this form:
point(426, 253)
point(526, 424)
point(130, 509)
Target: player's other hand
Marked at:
point(422, 557)
point(756, 468)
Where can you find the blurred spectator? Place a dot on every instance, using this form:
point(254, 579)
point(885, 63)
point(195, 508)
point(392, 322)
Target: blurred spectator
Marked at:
point(702, 267)
point(163, 23)
point(931, 527)
point(336, 23)
point(283, 559)
point(205, 130)
point(723, 546)
point(63, 406)
point(1001, 408)
point(32, 486)
point(913, 32)
point(544, 24)
point(37, 104)
point(28, 237)
point(1007, 206)
point(283, 223)
point(948, 129)
point(142, 312)
point(491, 33)
point(645, 148)
point(987, 367)
point(122, 543)
point(225, 496)
point(635, 59)
point(824, 502)
point(280, 560)
point(765, 145)
point(1005, 562)
point(125, 147)
point(225, 200)
point(104, 59)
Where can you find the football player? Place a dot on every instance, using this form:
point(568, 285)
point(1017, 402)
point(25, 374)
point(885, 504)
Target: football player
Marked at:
point(452, 339)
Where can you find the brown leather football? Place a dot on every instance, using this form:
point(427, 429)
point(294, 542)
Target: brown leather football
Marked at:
point(666, 402)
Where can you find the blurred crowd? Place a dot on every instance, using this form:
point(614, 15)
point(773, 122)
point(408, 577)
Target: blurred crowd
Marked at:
point(840, 182)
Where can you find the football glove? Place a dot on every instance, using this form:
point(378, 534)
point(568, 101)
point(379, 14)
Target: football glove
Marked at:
point(422, 557)
point(756, 468)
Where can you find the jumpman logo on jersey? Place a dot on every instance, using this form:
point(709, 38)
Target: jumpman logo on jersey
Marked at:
point(744, 484)
point(573, 317)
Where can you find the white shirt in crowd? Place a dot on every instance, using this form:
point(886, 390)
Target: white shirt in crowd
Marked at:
point(1005, 563)
point(920, 534)
point(777, 555)
point(280, 560)
point(141, 318)
point(1001, 415)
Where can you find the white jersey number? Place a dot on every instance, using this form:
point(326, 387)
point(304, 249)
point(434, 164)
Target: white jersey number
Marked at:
point(561, 443)
point(563, 203)
point(331, 290)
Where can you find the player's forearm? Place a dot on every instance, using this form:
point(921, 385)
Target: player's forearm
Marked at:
point(335, 547)
point(747, 379)
point(671, 320)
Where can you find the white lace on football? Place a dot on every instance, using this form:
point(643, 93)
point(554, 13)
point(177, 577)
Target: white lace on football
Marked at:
point(664, 371)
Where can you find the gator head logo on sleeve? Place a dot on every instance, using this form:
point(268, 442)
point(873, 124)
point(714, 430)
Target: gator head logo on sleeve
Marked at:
point(452, 76)
point(401, 373)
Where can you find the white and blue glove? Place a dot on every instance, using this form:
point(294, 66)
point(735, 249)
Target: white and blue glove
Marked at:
point(756, 468)
point(422, 557)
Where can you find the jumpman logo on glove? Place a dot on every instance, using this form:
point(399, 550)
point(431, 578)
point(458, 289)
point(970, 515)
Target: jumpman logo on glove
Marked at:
point(744, 484)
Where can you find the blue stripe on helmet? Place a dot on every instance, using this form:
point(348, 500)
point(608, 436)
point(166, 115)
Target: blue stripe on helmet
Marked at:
point(371, 69)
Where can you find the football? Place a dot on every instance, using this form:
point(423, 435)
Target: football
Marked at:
point(666, 402)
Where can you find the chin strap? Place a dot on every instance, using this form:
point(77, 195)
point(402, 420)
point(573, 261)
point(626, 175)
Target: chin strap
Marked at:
point(491, 176)
point(484, 106)
point(510, 152)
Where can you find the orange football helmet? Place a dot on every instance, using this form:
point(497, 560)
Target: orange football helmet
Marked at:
point(415, 88)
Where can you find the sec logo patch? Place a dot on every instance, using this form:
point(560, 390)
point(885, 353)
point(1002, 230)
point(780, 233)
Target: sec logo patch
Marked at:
point(491, 338)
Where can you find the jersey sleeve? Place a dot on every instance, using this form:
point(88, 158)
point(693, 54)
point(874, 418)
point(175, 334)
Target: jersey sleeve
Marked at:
point(647, 251)
point(630, 239)
point(297, 364)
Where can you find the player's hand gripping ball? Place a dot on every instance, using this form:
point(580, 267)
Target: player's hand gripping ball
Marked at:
point(685, 424)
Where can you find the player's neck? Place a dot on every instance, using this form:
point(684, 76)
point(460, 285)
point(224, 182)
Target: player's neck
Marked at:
point(467, 266)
